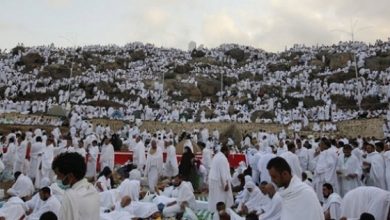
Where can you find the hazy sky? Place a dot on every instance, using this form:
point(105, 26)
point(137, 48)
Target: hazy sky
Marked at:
point(267, 24)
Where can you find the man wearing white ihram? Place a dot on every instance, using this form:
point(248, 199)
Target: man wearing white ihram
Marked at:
point(139, 157)
point(21, 150)
point(292, 160)
point(91, 158)
point(366, 199)
point(374, 166)
point(170, 166)
point(37, 149)
point(153, 166)
point(107, 157)
point(185, 196)
point(299, 199)
point(220, 189)
point(325, 167)
point(80, 200)
point(348, 170)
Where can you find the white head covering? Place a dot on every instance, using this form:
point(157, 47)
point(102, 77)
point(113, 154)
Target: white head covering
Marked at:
point(248, 179)
point(44, 182)
point(241, 167)
point(249, 185)
point(344, 140)
point(38, 132)
point(135, 174)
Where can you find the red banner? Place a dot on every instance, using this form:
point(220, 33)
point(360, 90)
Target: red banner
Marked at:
point(123, 157)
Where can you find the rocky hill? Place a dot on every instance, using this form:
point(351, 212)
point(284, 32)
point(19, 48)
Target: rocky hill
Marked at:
point(250, 76)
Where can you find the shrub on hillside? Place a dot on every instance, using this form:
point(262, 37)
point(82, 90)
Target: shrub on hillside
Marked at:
point(56, 71)
point(373, 103)
point(15, 50)
point(237, 54)
point(197, 53)
point(343, 102)
point(341, 77)
point(378, 63)
point(31, 61)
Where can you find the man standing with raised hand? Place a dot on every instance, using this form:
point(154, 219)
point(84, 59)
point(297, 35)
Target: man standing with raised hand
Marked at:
point(374, 167)
point(349, 170)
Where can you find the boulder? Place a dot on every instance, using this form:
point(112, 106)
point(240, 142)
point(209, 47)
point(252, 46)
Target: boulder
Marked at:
point(339, 60)
point(138, 55)
point(197, 54)
point(208, 87)
point(232, 132)
point(105, 103)
point(15, 50)
point(190, 92)
point(341, 77)
point(344, 102)
point(181, 69)
point(262, 115)
point(56, 71)
point(378, 63)
point(31, 61)
point(208, 113)
point(236, 53)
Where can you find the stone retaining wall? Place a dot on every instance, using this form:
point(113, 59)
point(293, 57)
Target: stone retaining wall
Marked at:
point(352, 128)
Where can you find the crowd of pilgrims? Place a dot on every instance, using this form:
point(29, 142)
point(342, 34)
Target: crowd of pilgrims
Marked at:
point(58, 175)
point(130, 78)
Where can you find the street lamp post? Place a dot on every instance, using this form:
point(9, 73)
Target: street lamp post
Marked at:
point(352, 34)
point(162, 89)
point(68, 106)
point(69, 85)
point(221, 92)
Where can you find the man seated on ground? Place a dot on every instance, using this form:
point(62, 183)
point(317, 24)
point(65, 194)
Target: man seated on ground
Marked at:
point(23, 186)
point(241, 183)
point(166, 193)
point(42, 202)
point(185, 194)
point(225, 213)
point(128, 187)
point(137, 209)
point(14, 208)
point(332, 203)
point(255, 200)
point(238, 180)
point(273, 210)
point(135, 174)
point(55, 189)
point(243, 194)
point(166, 188)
